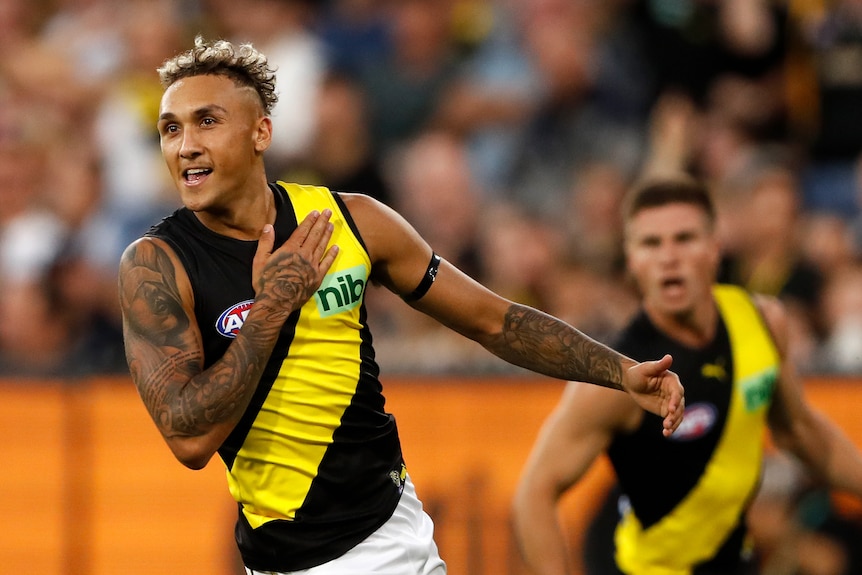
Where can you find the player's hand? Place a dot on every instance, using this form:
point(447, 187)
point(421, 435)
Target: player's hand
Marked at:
point(657, 390)
point(290, 275)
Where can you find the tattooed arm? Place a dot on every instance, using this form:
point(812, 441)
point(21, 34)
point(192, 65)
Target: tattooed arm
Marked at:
point(516, 333)
point(544, 344)
point(196, 409)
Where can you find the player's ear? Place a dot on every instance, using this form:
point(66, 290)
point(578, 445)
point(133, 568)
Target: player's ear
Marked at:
point(263, 134)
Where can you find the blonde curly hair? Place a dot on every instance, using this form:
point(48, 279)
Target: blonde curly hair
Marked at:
point(243, 64)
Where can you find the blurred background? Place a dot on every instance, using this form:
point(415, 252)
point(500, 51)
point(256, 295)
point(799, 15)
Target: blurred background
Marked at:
point(507, 132)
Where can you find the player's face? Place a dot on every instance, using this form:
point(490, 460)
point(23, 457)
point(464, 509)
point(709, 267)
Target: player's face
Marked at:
point(212, 133)
point(673, 255)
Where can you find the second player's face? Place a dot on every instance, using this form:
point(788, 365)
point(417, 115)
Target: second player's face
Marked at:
point(673, 255)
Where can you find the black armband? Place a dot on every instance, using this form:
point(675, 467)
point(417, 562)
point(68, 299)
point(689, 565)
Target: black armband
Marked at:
point(427, 280)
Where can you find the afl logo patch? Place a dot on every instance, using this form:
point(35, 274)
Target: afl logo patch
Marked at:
point(699, 419)
point(232, 318)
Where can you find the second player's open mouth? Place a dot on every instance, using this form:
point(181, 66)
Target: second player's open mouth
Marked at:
point(194, 176)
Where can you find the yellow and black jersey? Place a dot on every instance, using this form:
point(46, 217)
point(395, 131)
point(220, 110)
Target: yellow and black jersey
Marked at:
point(685, 496)
point(315, 463)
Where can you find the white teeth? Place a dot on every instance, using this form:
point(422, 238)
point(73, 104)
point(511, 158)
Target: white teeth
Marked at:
point(196, 171)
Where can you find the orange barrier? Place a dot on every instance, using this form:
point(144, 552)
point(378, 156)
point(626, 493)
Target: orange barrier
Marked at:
point(90, 488)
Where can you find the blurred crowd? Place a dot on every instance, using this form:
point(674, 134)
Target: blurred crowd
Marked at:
point(506, 131)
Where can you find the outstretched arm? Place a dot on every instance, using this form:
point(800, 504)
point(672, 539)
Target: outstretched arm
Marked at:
point(516, 333)
point(547, 345)
point(196, 409)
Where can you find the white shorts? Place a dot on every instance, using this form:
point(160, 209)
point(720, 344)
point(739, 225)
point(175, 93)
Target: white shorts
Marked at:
point(404, 545)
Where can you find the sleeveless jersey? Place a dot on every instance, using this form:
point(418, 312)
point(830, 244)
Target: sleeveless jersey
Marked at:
point(315, 462)
point(688, 493)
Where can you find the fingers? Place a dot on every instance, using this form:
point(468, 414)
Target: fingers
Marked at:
point(674, 418)
point(264, 250)
point(311, 238)
point(674, 399)
point(675, 406)
point(663, 363)
point(319, 235)
point(311, 230)
point(317, 239)
point(300, 234)
point(265, 243)
point(327, 260)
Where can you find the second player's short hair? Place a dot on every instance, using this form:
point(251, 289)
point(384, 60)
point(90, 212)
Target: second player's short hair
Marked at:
point(669, 190)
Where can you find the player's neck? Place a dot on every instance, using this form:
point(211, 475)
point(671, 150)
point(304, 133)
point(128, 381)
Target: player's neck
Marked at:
point(694, 328)
point(244, 219)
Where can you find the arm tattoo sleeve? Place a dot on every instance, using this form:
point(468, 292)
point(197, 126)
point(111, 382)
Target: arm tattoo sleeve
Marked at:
point(544, 344)
point(165, 354)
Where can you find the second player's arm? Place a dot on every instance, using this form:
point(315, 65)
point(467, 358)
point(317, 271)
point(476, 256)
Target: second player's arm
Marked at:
point(803, 430)
point(578, 430)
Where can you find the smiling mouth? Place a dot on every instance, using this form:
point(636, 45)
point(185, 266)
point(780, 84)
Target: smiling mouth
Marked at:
point(194, 175)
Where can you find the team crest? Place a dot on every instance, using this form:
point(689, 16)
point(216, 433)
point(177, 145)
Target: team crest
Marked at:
point(230, 321)
point(399, 478)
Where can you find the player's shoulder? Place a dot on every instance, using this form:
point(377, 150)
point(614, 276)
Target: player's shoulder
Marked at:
point(379, 224)
point(356, 201)
point(775, 316)
point(151, 251)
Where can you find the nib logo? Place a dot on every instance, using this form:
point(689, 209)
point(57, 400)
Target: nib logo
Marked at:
point(341, 291)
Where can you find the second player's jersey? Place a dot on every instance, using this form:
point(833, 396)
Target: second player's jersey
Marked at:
point(315, 463)
point(688, 493)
